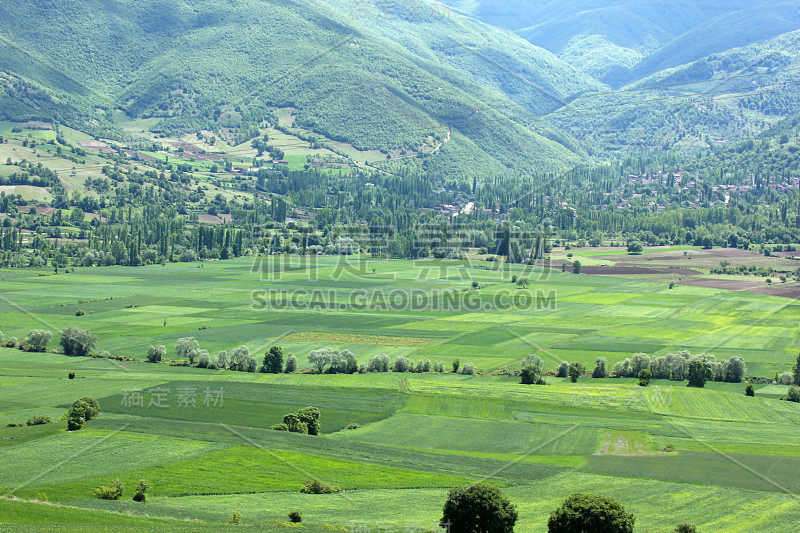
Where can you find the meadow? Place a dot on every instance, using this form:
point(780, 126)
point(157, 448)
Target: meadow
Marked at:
point(670, 454)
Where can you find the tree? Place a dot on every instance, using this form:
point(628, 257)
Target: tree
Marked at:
point(378, 363)
point(273, 361)
point(37, 340)
point(294, 424)
point(736, 370)
point(156, 353)
point(590, 512)
point(530, 375)
point(685, 528)
point(187, 348)
point(699, 372)
point(749, 390)
point(575, 371)
point(401, 364)
point(78, 342)
point(576, 267)
point(344, 363)
point(457, 363)
point(562, 369)
point(321, 358)
point(478, 508)
point(291, 364)
point(76, 416)
point(310, 416)
point(793, 395)
point(644, 377)
point(534, 361)
point(241, 360)
point(90, 406)
point(635, 248)
point(796, 371)
point(601, 370)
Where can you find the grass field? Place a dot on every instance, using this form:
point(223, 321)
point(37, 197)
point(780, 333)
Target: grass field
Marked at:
point(733, 467)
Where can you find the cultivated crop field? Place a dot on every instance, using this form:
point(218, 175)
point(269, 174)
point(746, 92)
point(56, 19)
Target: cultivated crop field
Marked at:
point(201, 437)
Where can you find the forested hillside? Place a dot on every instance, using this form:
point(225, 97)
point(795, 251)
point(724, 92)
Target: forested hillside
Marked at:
point(377, 78)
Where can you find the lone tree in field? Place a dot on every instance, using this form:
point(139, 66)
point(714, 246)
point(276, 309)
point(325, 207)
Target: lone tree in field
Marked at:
point(576, 267)
point(699, 373)
point(37, 340)
point(590, 513)
point(749, 390)
point(187, 348)
point(78, 342)
point(575, 371)
point(156, 353)
point(478, 508)
point(273, 361)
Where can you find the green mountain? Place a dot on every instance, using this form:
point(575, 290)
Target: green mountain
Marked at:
point(621, 41)
point(369, 74)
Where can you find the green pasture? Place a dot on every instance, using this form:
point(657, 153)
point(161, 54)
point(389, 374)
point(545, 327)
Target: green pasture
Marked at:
point(670, 454)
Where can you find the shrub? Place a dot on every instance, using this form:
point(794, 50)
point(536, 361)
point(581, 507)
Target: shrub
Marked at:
point(291, 364)
point(749, 390)
point(39, 420)
point(71, 375)
point(590, 512)
point(78, 342)
point(15, 425)
point(141, 488)
point(685, 528)
point(37, 340)
point(295, 517)
point(156, 353)
point(236, 518)
point(80, 312)
point(112, 492)
point(353, 426)
point(644, 377)
point(13, 342)
point(787, 378)
point(478, 508)
point(456, 363)
point(203, 359)
point(316, 486)
point(563, 368)
point(280, 427)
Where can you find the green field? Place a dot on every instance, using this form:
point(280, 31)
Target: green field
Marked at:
point(733, 469)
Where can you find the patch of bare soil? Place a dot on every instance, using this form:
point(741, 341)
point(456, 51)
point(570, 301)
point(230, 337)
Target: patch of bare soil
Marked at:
point(727, 284)
point(787, 290)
